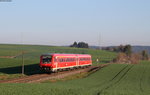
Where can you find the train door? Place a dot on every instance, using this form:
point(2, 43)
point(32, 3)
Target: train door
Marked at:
point(59, 62)
point(56, 62)
point(77, 61)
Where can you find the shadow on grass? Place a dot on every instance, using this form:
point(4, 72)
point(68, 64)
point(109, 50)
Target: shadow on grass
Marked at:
point(29, 70)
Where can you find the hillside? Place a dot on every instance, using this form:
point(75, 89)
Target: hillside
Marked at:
point(116, 79)
point(11, 67)
point(136, 49)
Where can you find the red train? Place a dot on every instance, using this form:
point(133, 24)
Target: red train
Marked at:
point(58, 62)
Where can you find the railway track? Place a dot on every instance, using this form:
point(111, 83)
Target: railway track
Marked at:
point(42, 77)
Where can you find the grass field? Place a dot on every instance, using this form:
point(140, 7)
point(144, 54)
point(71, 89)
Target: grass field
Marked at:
point(11, 67)
point(116, 79)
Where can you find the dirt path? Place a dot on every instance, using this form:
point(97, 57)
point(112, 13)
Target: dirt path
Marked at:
point(42, 77)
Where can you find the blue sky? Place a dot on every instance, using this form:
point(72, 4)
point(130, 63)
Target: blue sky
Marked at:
point(61, 22)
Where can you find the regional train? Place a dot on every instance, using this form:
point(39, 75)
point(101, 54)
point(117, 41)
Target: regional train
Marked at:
point(59, 62)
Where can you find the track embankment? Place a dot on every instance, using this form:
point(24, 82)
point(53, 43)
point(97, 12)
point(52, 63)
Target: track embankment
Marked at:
point(37, 78)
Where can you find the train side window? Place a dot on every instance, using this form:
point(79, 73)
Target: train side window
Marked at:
point(81, 59)
point(74, 59)
point(68, 59)
point(60, 60)
point(65, 60)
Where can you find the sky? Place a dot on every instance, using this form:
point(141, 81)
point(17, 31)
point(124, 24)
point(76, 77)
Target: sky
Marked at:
point(61, 22)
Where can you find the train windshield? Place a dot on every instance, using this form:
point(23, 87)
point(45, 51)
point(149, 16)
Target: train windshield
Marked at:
point(47, 59)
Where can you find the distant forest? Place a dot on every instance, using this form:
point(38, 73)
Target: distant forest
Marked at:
point(135, 49)
point(80, 45)
point(140, 48)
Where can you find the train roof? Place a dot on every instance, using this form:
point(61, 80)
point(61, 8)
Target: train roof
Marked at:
point(64, 54)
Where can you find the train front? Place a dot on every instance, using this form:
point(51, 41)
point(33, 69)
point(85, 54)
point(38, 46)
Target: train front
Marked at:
point(46, 62)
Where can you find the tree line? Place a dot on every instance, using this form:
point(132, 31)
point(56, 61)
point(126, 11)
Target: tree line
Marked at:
point(80, 45)
point(125, 54)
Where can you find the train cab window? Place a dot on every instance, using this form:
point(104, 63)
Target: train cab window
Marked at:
point(55, 59)
point(47, 59)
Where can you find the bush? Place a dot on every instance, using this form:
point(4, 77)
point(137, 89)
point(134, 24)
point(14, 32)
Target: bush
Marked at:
point(123, 58)
point(135, 58)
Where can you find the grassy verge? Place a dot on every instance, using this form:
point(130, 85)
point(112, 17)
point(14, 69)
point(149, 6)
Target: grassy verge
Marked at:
point(72, 77)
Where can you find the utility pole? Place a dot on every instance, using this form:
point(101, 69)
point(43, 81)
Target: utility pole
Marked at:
point(99, 41)
point(22, 52)
point(22, 62)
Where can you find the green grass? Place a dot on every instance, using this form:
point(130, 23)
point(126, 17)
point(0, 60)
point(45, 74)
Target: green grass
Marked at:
point(34, 51)
point(116, 79)
point(32, 55)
